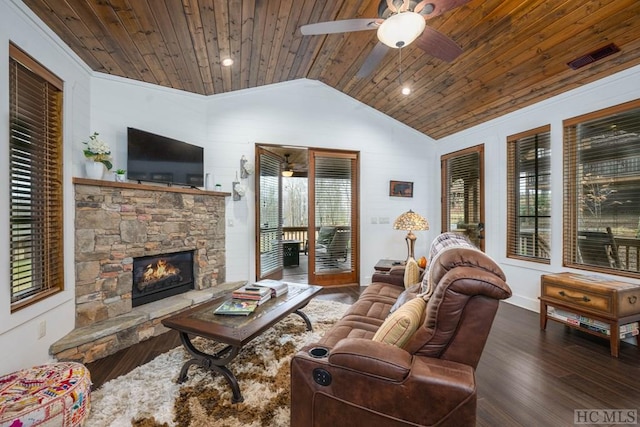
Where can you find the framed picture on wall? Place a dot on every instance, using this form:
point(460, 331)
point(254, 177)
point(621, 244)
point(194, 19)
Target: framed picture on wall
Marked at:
point(401, 188)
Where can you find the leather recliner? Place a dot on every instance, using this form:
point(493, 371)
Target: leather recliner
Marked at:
point(428, 382)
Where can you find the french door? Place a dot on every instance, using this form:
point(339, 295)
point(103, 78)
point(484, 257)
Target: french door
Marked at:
point(269, 261)
point(463, 193)
point(333, 217)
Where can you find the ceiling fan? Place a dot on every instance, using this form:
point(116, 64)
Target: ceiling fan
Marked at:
point(287, 168)
point(400, 23)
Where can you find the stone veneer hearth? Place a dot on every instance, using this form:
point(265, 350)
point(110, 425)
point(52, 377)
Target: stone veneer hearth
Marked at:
point(116, 222)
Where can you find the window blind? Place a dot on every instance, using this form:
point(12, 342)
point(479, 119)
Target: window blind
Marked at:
point(35, 179)
point(270, 214)
point(333, 196)
point(529, 195)
point(602, 190)
point(462, 193)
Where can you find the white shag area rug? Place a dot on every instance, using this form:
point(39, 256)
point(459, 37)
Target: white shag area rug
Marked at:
point(150, 396)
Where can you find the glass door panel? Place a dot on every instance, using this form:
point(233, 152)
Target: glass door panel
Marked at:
point(269, 262)
point(333, 217)
point(463, 193)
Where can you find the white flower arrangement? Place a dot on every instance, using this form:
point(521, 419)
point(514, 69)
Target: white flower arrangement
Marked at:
point(98, 151)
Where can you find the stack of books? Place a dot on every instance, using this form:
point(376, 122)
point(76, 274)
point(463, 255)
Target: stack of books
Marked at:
point(626, 331)
point(277, 287)
point(246, 299)
point(261, 294)
point(629, 330)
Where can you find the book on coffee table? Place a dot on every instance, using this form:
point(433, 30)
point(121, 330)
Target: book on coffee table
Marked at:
point(254, 293)
point(237, 307)
point(277, 287)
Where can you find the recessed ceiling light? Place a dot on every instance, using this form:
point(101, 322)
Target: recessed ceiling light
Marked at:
point(227, 62)
point(406, 90)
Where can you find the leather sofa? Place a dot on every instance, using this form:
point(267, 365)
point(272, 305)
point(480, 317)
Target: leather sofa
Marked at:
point(347, 378)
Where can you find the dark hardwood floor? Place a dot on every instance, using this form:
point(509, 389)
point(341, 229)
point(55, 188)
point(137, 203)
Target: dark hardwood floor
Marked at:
point(526, 377)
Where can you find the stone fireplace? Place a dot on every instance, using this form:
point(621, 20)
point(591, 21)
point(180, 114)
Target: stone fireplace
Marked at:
point(118, 223)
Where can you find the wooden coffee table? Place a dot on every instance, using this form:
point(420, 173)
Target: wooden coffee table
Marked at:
point(234, 331)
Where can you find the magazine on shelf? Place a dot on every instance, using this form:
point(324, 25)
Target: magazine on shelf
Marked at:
point(237, 307)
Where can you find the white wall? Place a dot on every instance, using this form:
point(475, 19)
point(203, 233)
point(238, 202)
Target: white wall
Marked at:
point(20, 345)
point(524, 277)
point(300, 113)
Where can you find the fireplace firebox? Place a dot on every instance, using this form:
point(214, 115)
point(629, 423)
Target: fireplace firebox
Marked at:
point(161, 276)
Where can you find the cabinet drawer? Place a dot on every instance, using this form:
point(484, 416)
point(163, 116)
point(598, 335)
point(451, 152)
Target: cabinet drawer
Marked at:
point(579, 298)
point(629, 302)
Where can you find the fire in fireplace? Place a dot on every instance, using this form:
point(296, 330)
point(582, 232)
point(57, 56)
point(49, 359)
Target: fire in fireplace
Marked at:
point(161, 276)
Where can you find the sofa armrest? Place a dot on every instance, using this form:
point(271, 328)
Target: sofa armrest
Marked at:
point(409, 390)
point(371, 357)
point(395, 276)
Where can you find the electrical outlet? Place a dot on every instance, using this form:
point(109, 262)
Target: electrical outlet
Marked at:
point(230, 222)
point(383, 220)
point(42, 329)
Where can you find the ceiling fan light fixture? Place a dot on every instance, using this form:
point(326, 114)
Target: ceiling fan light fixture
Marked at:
point(401, 29)
point(287, 170)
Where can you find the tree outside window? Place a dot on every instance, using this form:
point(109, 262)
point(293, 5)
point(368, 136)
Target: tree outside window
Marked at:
point(602, 193)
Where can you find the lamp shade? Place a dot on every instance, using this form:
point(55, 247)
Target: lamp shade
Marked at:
point(401, 29)
point(411, 221)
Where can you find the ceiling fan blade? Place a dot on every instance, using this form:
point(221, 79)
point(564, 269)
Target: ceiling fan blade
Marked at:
point(340, 26)
point(439, 7)
point(438, 45)
point(372, 61)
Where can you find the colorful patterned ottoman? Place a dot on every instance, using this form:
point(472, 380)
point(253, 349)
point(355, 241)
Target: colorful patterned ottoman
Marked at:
point(50, 395)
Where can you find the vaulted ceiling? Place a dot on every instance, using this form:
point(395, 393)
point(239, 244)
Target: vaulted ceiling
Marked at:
point(515, 53)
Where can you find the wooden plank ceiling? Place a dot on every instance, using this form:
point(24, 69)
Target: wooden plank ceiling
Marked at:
point(515, 52)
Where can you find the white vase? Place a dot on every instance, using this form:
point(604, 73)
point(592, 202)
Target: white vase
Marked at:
point(94, 170)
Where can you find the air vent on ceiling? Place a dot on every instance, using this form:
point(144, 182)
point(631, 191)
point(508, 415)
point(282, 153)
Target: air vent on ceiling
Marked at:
point(594, 56)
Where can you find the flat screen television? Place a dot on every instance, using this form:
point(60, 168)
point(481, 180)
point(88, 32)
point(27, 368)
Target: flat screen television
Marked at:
point(155, 158)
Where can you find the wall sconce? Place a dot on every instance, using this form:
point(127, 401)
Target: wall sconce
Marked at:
point(246, 167)
point(238, 189)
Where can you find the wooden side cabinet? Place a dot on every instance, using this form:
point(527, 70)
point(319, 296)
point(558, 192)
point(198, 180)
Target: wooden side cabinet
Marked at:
point(591, 304)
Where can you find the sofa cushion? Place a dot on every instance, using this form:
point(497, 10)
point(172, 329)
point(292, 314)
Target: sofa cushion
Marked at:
point(400, 325)
point(349, 327)
point(411, 273)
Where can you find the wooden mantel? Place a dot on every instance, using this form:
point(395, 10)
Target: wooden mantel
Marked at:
point(148, 187)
